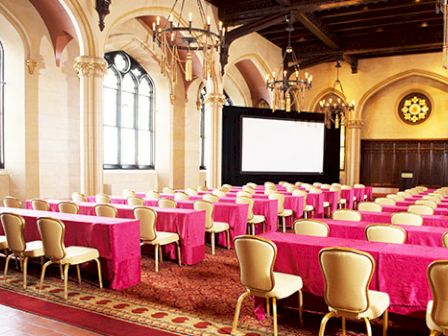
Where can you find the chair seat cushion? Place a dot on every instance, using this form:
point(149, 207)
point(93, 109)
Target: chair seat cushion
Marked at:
point(3, 243)
point(218, 227)
point(326, 204)
point(77, 255)
point(257, 219)
point(379, 302)
point(34, 249)
point(164, 238)
point(286, 213)
point(308, 208)
point(342, 201)
point(429, 321)
point(285, 285)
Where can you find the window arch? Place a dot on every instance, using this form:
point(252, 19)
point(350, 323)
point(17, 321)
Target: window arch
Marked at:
point(128, 93)
point(2, 105)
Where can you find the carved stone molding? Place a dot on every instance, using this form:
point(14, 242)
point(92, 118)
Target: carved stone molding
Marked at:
point(31, 66)
point(88, 66)
point(215, 98)
point(355, 123)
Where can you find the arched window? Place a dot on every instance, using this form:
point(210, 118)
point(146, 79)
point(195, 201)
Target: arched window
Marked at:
point(128, 114)
point(2, 105)
point(203, 139)
point(228, 101)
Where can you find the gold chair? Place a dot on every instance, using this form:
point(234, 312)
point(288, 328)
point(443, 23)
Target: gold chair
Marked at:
point(68, 207)
point(360, 186)
point(290, 188)
point(406, 218)
point(342, 201)
point(252, 185)
point(52, 232)
point(191, 192)
point(152, 195)
point(317, 184)
point(150, 236)
point(166, 203)
point(421, 188)
point(14, 227)
point(225, 188)
point(347, 215)
point(106, 210)
point(218, 193)
point(386, 233)
point(179, 196)
point(269, 184)
point(404, 194)
point(433, 198)
point(211, 226)
point(384, 201)
point(128, 193)
point(248, 189)
point(326, 204)
point(421, 209)
point(427, 202)
point(228, 186)
point(325, 186)
point(437, 309)
point(256, 257)
point(79, 197)
point(243, 193)
point(396, 198)
point(102, 199)
point(135, 201)
point(168, 190)
point(12, 202)
point(281, 211)
point(252, 219)
point(39, 204)
point(347, 275)
point(370, 206)
point(203, 188)
point(210, 198)
point(311, 228)
point(445, 239)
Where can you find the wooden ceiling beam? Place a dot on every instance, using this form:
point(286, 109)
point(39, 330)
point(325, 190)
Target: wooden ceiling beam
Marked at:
point(318, 29)
point(284, 3)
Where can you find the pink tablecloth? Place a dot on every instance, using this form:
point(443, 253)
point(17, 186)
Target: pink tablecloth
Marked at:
point(440, 205)
point(348, 195)
point(385, 217)
point(317, 201)
point(408, 263)
point(332, 198)
point(397, 208)
point(359, 194)
point(117, 240)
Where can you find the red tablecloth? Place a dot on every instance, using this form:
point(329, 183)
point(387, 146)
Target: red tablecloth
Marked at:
point(117, 240)
point(385, 217)
point(397, 208)
point(400, 269)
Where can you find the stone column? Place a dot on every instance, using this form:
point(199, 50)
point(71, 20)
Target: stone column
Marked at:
point(213, 106)
point(91, 71)
point(353, 154)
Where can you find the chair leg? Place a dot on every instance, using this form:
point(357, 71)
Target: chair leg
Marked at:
point(433, 333)
point(274, 315)
point(385, 322)
point(252, 229)
point(66, 267)
point(368, 327)
point(61, 271)
point(25, 271)
point(237, 311)
point(100, 278)
point(284, 223)
point(343, 326)
point(156, 256)
point(228, 238)
point(78, 271)
point(323, 324)
point(5, 272)
point(179, 256)
point(268, 307)
point(160, 254)
point(300, 307)
point(213, 243)
point(42, 273)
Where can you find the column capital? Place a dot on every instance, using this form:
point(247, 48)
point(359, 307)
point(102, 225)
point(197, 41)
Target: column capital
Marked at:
point(31, 65)
point(89, 66)
point(355, 123)
point(215, 98)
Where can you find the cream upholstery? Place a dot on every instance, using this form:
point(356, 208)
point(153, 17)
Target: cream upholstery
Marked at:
point(421, 209)
point(269, 184)
point(219, 193)
point(152, 195)
point(433, 198)
point(79, 197)
point(359, 185)
point(14, 227)
point(211, 226)
point(106, 210)
point(166, 203)
point(68, 207)
point(252, 219)
point(347, 274)
point(385, 233)
point(385, 201)
point(437, 310)
point(128, 193)
point(3, 243)
point(229, 186)
point(317, 184)
point(281, 211)
point(298, 184)
point(203, 188)
point(178, 196)
point(52, 232)
point(325, 186)
point(248, 189)
point(311, 228)
point(256, 257)
point(225, 188)
point(445, 239)
point(421, 188)
point(427, 202)
point(404, 194)
point(150, 236)
point(406, 218)
point(396, 198)
point(191, 192)
point(243, 193)
point(348, 215)
point(11, 202)
point(135, 201)
point(290, 188)
point(252, 185)
point(39, 204)
point(370, 206)
point(168, 190)
point(210, 198)
point(102, 199)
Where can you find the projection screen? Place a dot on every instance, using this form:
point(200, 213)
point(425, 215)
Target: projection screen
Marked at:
point(282, 146)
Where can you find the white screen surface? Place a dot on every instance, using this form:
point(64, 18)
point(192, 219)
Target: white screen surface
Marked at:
point(272, 145)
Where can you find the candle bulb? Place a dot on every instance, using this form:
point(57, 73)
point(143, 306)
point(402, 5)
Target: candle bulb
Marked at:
point(190, 17)
point(306, 75)
point(220, 25)
point(158, 20)
point(208, 20)
point(172, 37)
point(154, 27)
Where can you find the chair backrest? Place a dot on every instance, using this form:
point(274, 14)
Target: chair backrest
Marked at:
point(386, 233)
point(406, 218)
point(345, 187)
point(152, 195)
point(210, 198)
point(433, 198)
point(384, 201)
point(52, 233)
point(317, 184)
point(68, 207)
point(208, 207)
point(228, 186)
point(219, 193)
point(105, 210)
point(135, 201)
point(269, 184)
point(252, 185)
point(291, 188)
point(256, 257)
point(102, 198)
point(247, 200)
point(325, 186)
point(370, 206)
point(445, 239)
point(421, 188)
point(280, 201)
point(178, 196)
point(299, 192)
point(243, 193)
point(298, 184)
point(13, 227)
point(347, 274)
point(396, 198)
point(191, 192)
point(12, 202)
point(148, 220)
point(311, 228)
point(128, 193)
point(168, 190)
point(359, 185)
point(40, 204)
point(411, 191)
point(348, 215)
point(421, 209)
point(427, 202)
point(404, 194)
point(225, 189)
point(314, 190)
point(166, 203)
point(203, 188)
point(79, 197)
point(248, 189)
point(438, 278)
point(307, 186)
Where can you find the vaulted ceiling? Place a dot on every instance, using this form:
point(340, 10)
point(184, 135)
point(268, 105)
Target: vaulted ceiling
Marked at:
point(326, 30)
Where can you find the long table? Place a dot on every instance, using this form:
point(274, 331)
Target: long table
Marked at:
point(385, 217)
point(117, 240)
point(440, 205)
point(398, 208)
point(400, 269)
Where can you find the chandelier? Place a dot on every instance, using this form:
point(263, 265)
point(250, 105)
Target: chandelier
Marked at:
point(179, 40)
point(288, 87)
point(336, 111)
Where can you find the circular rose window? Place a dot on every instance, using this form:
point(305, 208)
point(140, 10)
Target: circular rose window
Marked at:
point(414, 108)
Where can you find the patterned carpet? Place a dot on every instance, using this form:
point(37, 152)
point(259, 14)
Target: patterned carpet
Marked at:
point(191, 300)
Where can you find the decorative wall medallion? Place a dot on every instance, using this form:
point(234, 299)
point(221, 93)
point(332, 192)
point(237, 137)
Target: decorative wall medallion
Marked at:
point(414, 108)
